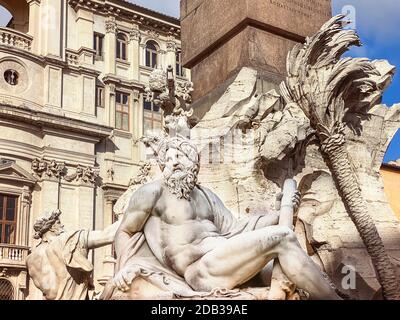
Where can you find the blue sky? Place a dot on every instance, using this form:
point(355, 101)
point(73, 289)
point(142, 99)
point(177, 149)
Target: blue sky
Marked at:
point(377, 22)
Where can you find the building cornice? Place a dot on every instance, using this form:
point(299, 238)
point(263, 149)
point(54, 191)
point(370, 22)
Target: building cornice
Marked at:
point(48, 120)
point(131, 12)
point(52, 60)
point(22, 53)
point(130, 84)
point(391, 166)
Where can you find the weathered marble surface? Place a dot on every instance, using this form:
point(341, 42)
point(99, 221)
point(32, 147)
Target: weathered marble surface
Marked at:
point(249, 183)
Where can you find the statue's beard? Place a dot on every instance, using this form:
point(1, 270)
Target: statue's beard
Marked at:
point(182, 182)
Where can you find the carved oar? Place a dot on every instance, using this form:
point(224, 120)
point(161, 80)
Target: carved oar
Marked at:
point(279, 279)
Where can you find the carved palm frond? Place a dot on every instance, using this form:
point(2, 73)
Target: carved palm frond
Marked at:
point(327, 87)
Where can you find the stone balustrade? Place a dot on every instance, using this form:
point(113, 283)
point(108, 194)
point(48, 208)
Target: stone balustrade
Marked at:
point(12, 255)
point(13, 38)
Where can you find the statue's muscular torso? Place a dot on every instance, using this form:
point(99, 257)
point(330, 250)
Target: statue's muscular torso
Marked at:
point(178, 231)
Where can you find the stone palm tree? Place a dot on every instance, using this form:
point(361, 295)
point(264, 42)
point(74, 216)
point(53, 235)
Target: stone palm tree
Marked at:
point(331, 89)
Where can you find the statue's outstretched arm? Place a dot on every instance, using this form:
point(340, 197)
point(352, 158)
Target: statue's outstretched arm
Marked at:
point(100, 238)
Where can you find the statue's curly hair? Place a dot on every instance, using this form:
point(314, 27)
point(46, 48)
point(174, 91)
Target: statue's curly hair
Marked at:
point(187, 147)
point(44, 224)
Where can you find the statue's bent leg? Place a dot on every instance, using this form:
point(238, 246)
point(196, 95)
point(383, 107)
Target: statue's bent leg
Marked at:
point(241, 257)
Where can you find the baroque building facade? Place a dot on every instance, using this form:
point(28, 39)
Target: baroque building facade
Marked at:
point(72, 78)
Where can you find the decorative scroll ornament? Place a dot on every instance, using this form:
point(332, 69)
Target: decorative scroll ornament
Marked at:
point(153, 34)
point(111, 25)
point(48, 168)
point(84, 174)
point(330, 89)
point(52, 169)
point(134, 35)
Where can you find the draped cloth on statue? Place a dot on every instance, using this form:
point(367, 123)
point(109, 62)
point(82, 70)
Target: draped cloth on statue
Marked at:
point(68, 271)
point(165, 283)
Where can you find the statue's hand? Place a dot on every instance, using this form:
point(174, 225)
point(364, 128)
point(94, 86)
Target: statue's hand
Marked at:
point(124, 278)
point(296, 200)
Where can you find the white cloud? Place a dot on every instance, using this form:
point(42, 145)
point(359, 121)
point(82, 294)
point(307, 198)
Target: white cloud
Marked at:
point(169, 7)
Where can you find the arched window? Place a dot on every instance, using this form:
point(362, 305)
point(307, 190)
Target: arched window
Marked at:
point(121, 46)
point(152, 117)
point(6, 290)
point(151, 54)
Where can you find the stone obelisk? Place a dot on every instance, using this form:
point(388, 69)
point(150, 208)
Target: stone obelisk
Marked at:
point(219, 37)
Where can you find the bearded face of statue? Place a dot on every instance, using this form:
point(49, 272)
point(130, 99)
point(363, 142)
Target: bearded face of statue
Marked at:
point(180, 173)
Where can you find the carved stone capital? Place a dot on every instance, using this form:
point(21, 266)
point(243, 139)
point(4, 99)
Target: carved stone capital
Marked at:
point(171, 44)
point(48, 168)
point(111, 25)
point(134, 35)
point(153, 34)
point(26, 197)
point(87, 175)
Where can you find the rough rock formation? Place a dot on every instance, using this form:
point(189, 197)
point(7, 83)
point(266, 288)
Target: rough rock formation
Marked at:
point(249, 164)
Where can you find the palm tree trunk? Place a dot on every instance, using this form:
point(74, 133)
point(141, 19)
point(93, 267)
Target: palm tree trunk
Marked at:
point(335, 149)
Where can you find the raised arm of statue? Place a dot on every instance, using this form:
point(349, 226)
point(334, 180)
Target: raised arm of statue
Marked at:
point(100, 238)
point(139, 209)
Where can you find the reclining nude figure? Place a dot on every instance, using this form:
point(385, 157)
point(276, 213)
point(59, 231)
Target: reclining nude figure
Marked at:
point(196, 240)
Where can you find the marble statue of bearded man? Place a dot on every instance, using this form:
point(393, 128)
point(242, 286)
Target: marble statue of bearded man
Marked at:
point(177, 239)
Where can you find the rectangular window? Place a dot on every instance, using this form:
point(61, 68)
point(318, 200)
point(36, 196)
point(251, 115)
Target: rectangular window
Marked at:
point(179, 68)
point(122, 111)
point(100, 97)
point(152, 121)
point(98, 41)
point(8, 218)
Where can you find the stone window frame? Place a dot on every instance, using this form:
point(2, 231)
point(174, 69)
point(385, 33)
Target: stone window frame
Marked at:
point(4, 222)
point(16, 74)
point(121, 50)
point(154, 51)
point(18, 193)
point(122, 109)
point(152, 116)
point(21, 187)
point(179, 64)
point(100, 96)
point(98, 45)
